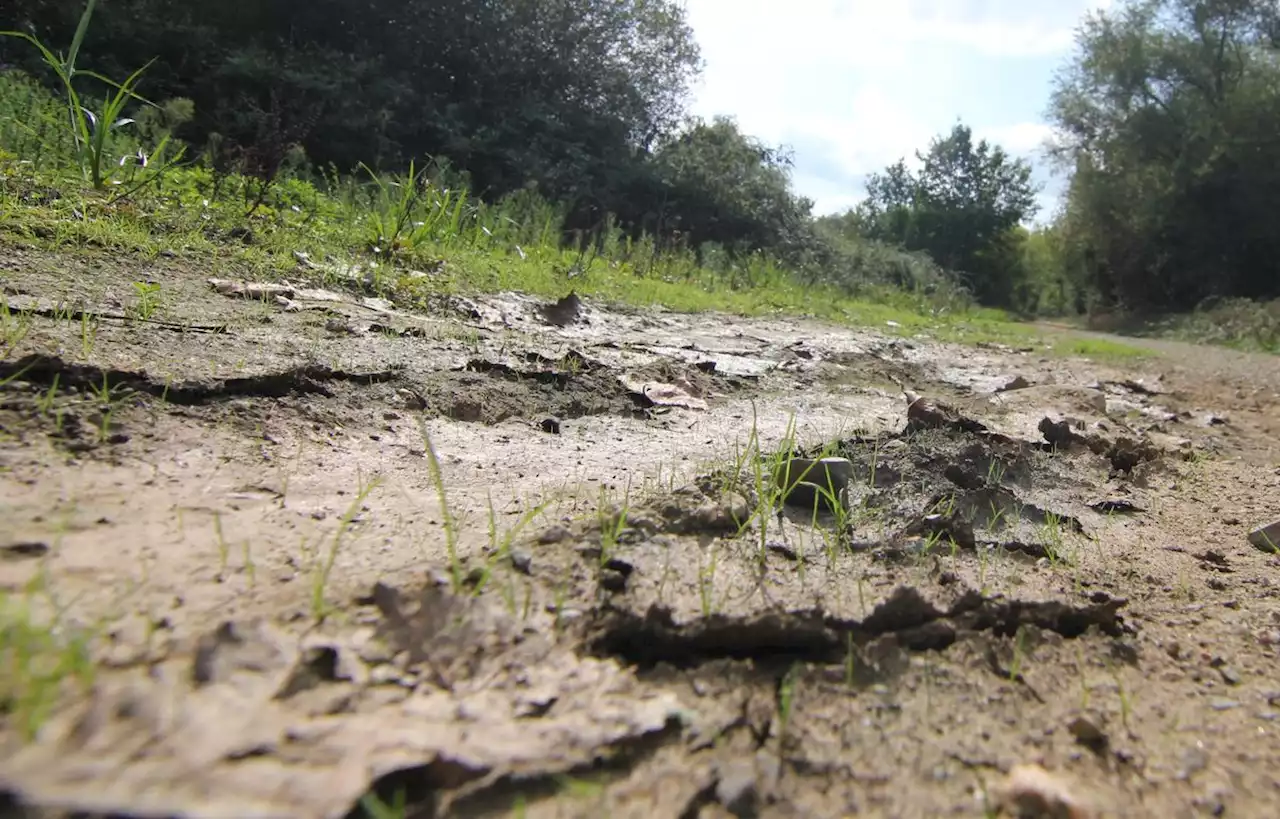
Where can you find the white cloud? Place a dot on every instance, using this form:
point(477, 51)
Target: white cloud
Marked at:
point(1024, 139)
point(855, 85)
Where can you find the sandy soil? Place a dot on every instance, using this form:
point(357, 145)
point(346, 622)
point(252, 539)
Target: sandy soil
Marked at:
point(612, 614)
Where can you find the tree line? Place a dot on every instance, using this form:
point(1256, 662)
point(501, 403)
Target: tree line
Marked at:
point(1167, 115)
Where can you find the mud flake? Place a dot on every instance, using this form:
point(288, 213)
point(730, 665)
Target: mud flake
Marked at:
point(23, 550)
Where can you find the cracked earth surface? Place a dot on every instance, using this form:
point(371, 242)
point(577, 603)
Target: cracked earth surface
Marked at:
point(1038, 569)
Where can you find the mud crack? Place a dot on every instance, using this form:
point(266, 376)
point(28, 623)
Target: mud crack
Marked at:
point(311, 378)
point(645, 640)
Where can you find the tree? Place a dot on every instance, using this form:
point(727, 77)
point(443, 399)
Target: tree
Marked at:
point(722, 186)
point(1170, 119)
point(561, 93)
point(963, 208)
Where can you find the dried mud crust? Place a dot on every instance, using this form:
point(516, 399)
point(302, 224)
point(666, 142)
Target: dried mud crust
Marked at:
point(1052, 575)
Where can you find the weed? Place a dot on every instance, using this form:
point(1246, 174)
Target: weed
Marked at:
point(707, 583)
point(1084, 679)
point(500, 549)
point(375, 808)
point(106, 402)
point(90, 131)
point(320, 578)
point(612, 523)
point(1126, 702)
point(1052, 539)
point(37, 658)
point(250, 568)
point(850, 660)
point(786, 699)
point(88, 333)
point(456, 574)
point(148, 299)
point(46, 401)
point(224, 550)
point(1020, 640)
point(13, 328)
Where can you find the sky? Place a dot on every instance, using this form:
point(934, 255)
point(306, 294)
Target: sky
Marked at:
point(851, 86)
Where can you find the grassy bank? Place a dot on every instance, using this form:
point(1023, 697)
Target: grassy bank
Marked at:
point(405, 237)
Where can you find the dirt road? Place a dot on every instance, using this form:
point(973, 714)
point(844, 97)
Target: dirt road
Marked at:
point(233, 493)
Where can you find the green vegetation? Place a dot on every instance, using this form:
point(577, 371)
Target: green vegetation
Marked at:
point(407, 236)
point(419, 147)
point(37, 660)
point(963, 209)
point(1168, 115)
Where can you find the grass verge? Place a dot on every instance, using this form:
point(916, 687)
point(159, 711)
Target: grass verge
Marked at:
point(408, 237)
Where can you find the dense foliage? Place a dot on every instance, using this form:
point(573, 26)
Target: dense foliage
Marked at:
point(964, 208)
point(1168, 117)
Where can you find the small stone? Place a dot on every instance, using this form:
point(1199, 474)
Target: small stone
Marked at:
point(521, 561)
point(806, 482)
point(1194, 760)
point(1229, 675)
point(1030, 790)
point(1223, 704)
point(371, 650)
point(736, 788)
point(553, 534)
point(1213, 801)
point(1015, 383)
point(735, 506)
point(1089, 734)
point(384, 675)
point(1173, 649)
point(1267, 537)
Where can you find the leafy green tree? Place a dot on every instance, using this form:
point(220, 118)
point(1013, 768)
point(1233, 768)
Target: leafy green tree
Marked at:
point(560, 93)
point(963, 207)
point(1170, 112)
point(722, 186)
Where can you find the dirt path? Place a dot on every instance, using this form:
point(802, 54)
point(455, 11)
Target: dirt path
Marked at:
point(231, 492)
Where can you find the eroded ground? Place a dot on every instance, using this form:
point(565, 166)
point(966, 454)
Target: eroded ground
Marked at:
point(229, 489)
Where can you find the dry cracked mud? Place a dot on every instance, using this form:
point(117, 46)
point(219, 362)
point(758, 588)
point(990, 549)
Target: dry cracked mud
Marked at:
point(1035, 595)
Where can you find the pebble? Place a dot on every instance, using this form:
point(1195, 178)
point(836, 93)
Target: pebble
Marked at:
point(1030, 790)
point(1223, 704)
point(553, 534)
point(1088, 733)
point(613, 580)
point(1229, 675)
point(736, 788)
point(1266, 537)
point(521, 561)
point(1194, 760)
